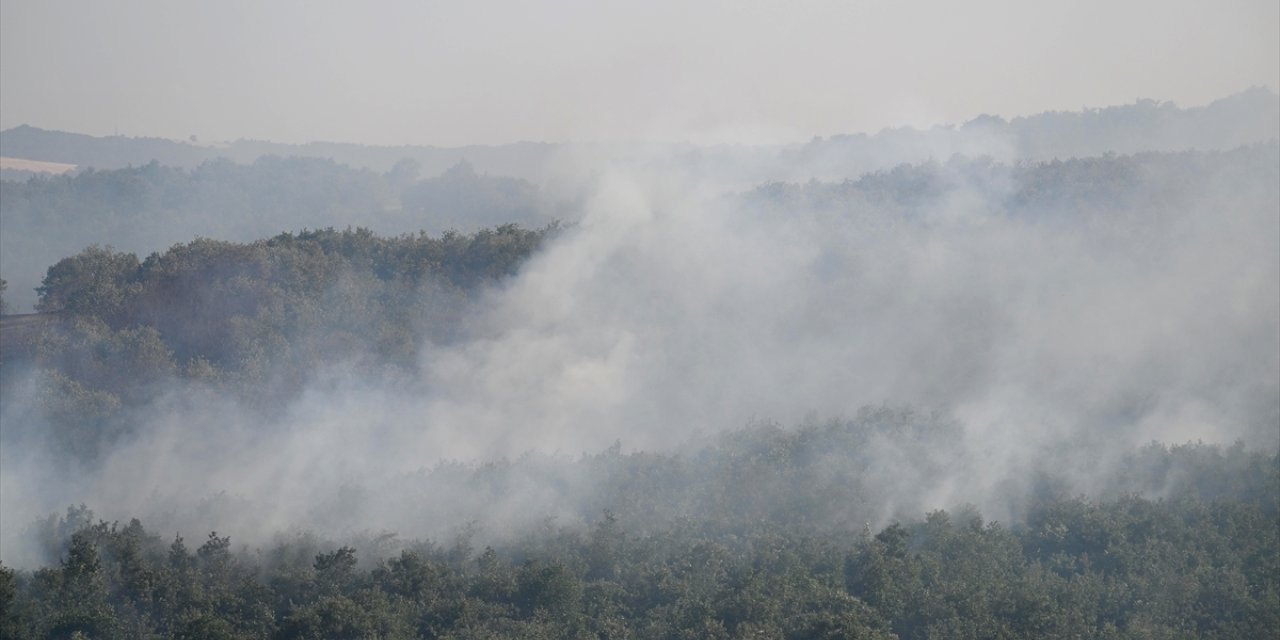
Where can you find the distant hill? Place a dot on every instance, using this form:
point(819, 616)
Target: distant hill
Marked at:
point(520, 159)
point(1147, 125)
point(1249, 117)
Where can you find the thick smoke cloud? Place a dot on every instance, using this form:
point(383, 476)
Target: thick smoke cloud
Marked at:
point(1160, 315)
point(673, 312)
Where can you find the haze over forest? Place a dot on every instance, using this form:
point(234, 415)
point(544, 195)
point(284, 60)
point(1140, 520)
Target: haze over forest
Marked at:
point(922, 362)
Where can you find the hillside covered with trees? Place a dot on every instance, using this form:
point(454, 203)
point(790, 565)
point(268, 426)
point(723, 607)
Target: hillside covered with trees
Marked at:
point(253, 319)
point(322, 433)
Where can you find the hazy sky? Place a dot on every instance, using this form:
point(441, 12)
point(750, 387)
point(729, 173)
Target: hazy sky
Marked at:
point(450, 73)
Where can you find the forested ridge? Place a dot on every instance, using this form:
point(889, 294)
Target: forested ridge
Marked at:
point(145, 208)
point(254, 319)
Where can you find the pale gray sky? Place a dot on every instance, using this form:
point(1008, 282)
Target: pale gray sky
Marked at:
point(450, 73)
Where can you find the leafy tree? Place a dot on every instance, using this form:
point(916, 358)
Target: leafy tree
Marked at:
point(96, 282)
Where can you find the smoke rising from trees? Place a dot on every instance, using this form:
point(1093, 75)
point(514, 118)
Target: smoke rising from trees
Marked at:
point(1049, 313)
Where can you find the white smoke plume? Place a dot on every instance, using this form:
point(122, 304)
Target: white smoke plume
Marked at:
point(674, 311)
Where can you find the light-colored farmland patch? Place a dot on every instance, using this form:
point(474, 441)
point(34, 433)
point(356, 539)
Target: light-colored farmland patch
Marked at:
point(23, 164)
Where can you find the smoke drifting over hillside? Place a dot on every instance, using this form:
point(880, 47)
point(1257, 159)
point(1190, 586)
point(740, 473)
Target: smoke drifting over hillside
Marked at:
point(144, 194)
point(1048, 317)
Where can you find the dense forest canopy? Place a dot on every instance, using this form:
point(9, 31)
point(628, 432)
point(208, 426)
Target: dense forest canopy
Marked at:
point(914, 385)
point(259, 316)
point(714, 545)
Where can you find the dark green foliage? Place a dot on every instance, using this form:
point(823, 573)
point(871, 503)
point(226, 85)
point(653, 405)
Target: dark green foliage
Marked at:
point(1072, 568)
point(96, 282)
point(255, 318)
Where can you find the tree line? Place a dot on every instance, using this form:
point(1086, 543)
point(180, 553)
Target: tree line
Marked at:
point(1202, 562)
point(142, 208)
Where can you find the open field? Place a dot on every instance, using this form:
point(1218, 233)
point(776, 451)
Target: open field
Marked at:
point(40, 166)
